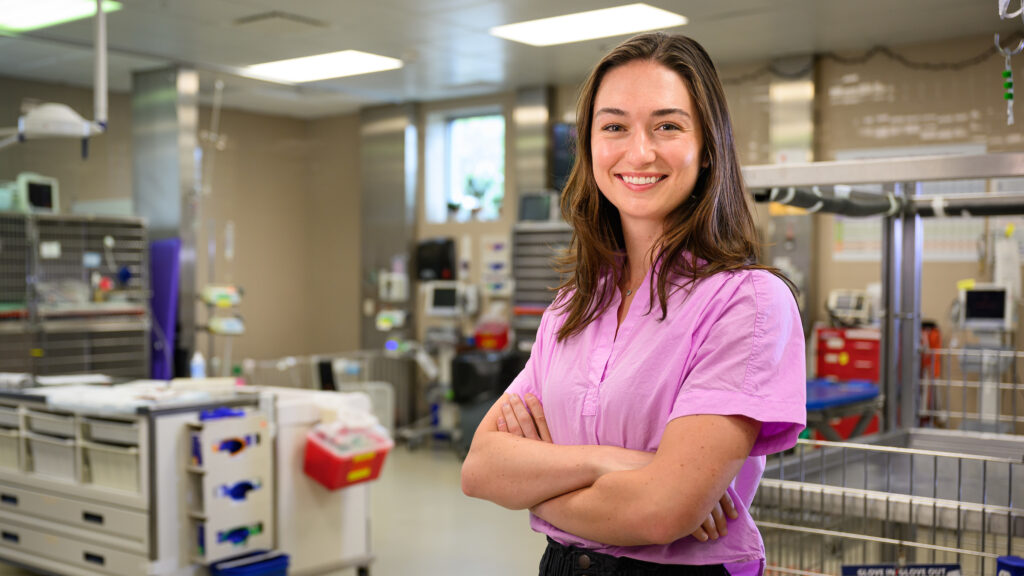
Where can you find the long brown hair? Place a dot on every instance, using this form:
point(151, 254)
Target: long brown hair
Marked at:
point(712, 231)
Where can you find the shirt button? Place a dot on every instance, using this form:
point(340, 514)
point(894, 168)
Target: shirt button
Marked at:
point(584, 561)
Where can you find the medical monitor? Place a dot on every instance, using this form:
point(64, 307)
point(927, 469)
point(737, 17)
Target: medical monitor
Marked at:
point(851, 307)
point(538, 207)
point(442, 299)
point(36, 193)
point(986, 307)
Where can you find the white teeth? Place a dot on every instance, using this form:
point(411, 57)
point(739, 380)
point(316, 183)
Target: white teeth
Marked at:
point(640, 180)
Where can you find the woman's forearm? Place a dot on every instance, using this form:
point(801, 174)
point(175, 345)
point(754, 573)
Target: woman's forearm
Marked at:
point(519, 473)
point(666, 500)
point(618, 510)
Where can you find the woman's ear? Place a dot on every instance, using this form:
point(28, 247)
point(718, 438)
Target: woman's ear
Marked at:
point(706, 161)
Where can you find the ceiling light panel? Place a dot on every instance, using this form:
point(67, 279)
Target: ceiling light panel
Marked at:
point(22, 16)
point(617, 21)
point(323, 67)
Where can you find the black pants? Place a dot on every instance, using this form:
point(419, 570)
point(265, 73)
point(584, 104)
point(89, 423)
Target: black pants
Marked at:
point(561, 560)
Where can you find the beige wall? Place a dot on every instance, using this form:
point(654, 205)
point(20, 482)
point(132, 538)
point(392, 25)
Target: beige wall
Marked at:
point(334, 232)
point(290, 186)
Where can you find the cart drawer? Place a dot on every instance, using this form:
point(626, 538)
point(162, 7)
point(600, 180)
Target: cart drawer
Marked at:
point(72, 552)
point(127, 524)
point(112, 431)
point(8, 417)
point(50, 424)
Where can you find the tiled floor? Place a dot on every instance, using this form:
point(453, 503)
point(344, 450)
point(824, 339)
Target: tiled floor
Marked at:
point(424, 526)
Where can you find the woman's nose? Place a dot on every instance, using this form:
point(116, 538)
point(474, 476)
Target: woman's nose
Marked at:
point(641, 148)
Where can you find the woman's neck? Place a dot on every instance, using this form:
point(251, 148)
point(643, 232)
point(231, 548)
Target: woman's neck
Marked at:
point(639, 252)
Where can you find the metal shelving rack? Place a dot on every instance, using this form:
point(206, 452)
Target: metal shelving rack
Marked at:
point(912, 494)
point(47, 327)
point(534, 248)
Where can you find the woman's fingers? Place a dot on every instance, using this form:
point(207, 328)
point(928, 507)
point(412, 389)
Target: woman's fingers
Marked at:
point(718, 519)
point(524, 418)
point(538, 417)
point(710, 527)
point(728, 507)
point(700, 534)
point(510, 417)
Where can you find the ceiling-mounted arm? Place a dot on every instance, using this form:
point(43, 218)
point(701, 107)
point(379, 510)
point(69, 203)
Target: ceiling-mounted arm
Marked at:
point(100, 70)
point(53, 120)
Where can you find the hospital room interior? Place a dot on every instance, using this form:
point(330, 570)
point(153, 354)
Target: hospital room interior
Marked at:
point(265, 265)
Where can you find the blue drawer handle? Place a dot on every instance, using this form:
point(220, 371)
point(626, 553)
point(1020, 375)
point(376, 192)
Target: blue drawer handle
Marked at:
point(94, 558)
point(8, 499)
point(11, 537)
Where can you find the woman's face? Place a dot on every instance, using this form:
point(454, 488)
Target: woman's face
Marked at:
point(646, 142)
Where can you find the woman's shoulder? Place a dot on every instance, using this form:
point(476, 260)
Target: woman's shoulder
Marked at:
point(763, 287)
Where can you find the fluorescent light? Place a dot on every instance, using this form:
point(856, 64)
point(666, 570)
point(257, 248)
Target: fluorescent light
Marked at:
point(23, 16)
point(324, 66)
point(581, 26)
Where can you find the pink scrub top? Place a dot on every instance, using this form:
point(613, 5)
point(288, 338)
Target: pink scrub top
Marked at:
point(734, 346)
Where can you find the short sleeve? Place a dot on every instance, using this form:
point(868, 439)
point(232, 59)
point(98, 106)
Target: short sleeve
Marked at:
point(750, 361)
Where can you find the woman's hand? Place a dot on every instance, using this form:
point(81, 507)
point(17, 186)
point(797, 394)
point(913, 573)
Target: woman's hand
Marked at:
point(714, 525)
point(526, 420)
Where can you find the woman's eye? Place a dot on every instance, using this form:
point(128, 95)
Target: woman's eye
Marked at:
point(612, 128)
point(669, 127)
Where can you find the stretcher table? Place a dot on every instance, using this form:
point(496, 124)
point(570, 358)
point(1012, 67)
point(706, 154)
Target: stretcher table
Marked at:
point(828, 400)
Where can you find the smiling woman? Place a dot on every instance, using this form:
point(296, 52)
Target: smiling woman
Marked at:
point(631, 435)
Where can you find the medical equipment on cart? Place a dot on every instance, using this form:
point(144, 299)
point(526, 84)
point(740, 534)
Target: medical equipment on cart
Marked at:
point(849, 307)
point(986, 309)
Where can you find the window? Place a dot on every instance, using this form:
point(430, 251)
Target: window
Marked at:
point(465, 165)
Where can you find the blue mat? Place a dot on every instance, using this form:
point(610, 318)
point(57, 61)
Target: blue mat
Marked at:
point(822, 394)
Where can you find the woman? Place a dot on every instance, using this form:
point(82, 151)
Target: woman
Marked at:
point(670, 363)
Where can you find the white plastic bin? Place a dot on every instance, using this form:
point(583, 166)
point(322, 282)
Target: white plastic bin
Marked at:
point(9, 448)
point(52, 456)
point(114, 467)
point(8, 417)
point(50, 424)
point(112, 431)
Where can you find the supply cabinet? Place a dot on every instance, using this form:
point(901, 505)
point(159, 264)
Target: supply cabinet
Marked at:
point(88, 494)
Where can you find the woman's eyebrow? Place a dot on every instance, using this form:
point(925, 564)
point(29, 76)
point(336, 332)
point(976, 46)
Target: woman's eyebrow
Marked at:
point(670, 112)
point(612, 111)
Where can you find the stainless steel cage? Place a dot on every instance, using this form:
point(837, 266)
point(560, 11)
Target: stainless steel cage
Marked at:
point(916, 493)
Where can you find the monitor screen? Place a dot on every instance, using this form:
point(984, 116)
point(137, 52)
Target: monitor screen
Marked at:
point(849, 302)
point(536, 207)
point(985, 304)
point(40, 195)
point(444, 298)
point(563, 154)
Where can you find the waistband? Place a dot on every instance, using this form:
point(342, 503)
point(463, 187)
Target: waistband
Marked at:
point(559, 560)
